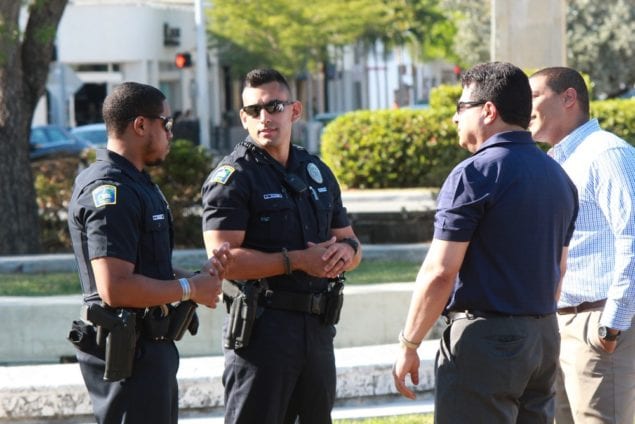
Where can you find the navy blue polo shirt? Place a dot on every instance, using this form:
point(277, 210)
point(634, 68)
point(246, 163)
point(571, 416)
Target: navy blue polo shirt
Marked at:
point(517, 208)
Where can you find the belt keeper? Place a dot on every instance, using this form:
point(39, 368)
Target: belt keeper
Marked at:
point(187, 290)
point(404, 341)
point(287, 261)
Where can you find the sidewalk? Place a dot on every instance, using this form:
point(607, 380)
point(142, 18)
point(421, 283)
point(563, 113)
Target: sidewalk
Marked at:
point(56, 393)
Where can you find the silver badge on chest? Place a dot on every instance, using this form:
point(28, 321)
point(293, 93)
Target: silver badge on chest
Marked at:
point(314, 173)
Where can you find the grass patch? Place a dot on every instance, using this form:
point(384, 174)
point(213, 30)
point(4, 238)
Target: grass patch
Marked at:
point(39, 284)
point(372, 272)
point(399, 419)
point(368, 272)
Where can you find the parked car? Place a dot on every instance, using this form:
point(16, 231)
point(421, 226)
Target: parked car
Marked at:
point(95, 134)
point(53, 140)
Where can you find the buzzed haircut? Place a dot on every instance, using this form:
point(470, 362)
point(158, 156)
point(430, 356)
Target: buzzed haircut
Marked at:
point(129, 100)
point(560, 78)
point(258, 77)
point(505, 85)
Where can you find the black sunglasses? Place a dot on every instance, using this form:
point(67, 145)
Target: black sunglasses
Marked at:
point(461, 106)
point(274, 106)
point(168, 121)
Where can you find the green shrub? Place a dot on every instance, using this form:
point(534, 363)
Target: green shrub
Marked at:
point(445, 97)
point(392, 148)
point(617, 116)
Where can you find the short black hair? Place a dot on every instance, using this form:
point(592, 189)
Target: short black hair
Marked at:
point(505, 85)
point(129, 100)
point(258, 77)
point(559, 78)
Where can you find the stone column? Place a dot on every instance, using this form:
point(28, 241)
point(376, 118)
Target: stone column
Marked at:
point(531, 34)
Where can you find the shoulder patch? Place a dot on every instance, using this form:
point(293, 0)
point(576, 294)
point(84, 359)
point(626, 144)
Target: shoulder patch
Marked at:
point(222, 174)
point(105, 195)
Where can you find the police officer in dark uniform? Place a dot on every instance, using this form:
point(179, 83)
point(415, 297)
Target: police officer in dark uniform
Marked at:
point(122, 235)
point(280, 209)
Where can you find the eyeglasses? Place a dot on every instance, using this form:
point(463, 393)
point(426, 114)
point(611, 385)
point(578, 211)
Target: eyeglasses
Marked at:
point(168, 121)
point(461, 106)
point(274, 106)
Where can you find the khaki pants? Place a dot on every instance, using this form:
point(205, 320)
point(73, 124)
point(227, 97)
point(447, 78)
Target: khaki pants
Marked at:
point(595, 386)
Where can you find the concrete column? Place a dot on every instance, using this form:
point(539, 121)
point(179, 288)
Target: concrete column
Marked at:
point(530, 34)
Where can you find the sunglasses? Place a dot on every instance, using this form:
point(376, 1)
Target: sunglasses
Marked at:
point(461, 106)
point(168, 121)
point(274, 106)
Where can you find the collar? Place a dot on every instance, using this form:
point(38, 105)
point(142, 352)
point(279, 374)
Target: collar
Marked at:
point(124, 164)
point(296, 156)
point(517, 137)
point(568, 144)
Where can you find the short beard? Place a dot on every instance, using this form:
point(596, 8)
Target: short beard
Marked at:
point(156, 162)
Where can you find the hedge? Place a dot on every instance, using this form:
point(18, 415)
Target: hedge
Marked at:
point(407, 148)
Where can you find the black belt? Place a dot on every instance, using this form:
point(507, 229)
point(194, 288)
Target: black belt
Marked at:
point(310, 303)
point(452, 316)
point(582, 307)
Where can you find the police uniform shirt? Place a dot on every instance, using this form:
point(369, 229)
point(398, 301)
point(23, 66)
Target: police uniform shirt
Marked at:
point(276, 207)
point(116, 211)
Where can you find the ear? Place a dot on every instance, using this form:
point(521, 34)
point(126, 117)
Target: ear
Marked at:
point(138, 125)
point(296, 113)
point(569, 97)
point(489, 113)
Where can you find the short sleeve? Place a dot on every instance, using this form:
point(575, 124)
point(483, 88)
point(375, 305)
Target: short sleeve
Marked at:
point(112, 218)
point(225, 197)
point(461, 203)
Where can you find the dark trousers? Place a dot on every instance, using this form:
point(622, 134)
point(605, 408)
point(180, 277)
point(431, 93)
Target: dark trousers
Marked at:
point(150, 395)
point(286, 372)
point(497, 370)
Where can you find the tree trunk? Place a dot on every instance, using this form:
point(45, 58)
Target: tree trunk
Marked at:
point(24, 64)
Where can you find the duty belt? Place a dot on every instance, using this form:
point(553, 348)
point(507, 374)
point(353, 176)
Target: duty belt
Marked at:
point(310, 303)
point(582, 307)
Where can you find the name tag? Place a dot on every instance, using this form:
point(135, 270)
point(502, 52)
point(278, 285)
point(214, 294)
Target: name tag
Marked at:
point(269, 196)
point(158, 217)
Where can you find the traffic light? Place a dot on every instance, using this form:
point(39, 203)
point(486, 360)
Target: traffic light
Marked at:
point(183, 60)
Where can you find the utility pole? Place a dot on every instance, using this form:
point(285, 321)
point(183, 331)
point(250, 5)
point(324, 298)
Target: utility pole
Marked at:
point(202, 97)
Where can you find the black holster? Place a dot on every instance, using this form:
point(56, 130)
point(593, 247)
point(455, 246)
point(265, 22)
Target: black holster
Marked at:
point(168, 322)
point(241, 299)
point(334, 301)
point(120, 341)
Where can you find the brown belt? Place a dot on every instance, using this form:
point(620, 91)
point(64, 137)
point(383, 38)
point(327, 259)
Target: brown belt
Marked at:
point(582, 307)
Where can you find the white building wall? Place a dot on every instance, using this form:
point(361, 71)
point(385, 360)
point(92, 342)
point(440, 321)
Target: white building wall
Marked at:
point(126, 37)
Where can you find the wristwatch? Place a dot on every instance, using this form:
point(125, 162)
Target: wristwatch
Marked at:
point(604, 334)
point(351, 242)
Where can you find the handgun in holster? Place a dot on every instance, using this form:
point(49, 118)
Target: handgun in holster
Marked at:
point(334, 300)
point(119, 342)
point(183, 317)
point(242, 303)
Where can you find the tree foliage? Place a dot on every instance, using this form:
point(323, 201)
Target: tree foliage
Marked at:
point(601, 42)
point(298, 36)
point(24, 64)
point(600, 38)
point(471, 44)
